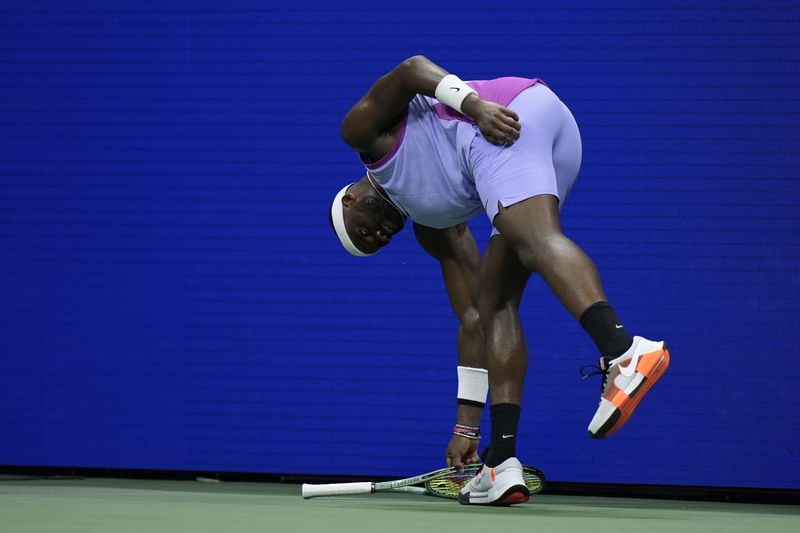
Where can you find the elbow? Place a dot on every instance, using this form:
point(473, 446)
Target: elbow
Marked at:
point(409, 75)
point(419, 58)
point(413, 63)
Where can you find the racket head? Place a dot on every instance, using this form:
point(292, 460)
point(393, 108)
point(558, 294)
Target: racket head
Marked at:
point(450, 485)
point(534, 479)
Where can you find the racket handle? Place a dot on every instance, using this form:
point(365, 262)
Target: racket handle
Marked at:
point(336, 489)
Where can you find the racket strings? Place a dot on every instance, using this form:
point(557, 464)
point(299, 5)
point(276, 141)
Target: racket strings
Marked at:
point(532, 481)
point(450, 486)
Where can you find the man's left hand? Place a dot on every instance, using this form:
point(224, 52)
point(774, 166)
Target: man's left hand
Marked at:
point(461, 452)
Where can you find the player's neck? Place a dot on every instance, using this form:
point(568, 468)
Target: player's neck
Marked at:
point(382, 193)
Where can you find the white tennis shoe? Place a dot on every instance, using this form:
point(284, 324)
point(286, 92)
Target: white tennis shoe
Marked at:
point(501, 485)
point(626, 379)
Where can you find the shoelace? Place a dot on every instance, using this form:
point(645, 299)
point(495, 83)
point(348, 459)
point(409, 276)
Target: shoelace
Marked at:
point(588, 371)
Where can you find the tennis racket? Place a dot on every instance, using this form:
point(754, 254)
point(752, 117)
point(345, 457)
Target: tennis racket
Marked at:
point(450, 485)
point(444, 483)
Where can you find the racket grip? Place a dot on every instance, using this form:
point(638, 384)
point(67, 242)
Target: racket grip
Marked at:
point(336, 489)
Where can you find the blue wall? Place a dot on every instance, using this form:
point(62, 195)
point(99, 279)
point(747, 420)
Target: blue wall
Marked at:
point(172, 296)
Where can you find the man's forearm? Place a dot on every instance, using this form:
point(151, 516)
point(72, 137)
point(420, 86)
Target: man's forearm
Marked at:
point(420, 75)
point(388, 99)
point(458, 255)
point(471, 353)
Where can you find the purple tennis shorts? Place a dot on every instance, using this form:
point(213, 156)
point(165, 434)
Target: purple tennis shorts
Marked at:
point(545, 159)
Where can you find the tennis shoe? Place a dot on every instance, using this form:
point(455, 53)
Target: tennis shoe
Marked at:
point(626, 379)
point(501, 485)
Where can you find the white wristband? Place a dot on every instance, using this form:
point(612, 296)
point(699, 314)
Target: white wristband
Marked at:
point(473, 384)
point(452, 92)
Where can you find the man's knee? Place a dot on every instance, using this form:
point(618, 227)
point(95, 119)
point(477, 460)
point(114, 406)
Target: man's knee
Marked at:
point(470, 321)
point(498, 309)
point(532, 229)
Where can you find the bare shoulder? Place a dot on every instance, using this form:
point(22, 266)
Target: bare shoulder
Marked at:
point(371, 125)
point(384, 142)
point(367, 129)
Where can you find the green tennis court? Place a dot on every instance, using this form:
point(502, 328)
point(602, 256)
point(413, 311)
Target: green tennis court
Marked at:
point(115, 505)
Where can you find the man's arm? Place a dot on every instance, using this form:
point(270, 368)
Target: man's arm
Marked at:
point(387, 100)
point(458, 255)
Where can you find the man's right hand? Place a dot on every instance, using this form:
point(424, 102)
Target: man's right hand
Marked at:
point(461, 452)
point(499, 125)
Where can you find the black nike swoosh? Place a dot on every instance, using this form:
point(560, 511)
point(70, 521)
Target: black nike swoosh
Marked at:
point(456, 88)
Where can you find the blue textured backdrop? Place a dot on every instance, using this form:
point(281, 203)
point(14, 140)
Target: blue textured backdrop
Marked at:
point(172, 297)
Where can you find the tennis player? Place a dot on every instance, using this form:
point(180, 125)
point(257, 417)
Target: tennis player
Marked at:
point(439, 151)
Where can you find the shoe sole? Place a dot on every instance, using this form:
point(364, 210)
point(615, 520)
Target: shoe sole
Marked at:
point(621, 414)
point(512, 496)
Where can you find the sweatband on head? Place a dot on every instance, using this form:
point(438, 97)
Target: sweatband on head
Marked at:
point(451, 91)
point(473, 385)
point(337, 215)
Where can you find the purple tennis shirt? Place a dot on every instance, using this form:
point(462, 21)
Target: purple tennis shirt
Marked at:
point(427, 172)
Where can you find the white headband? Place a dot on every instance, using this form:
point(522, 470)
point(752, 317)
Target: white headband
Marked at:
point(337, 215)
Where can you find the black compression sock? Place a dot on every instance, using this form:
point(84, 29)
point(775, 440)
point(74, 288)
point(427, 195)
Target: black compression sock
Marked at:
point(505, 419)
point(601, 322)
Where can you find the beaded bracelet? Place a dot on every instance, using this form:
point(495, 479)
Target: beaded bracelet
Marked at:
point(467, 431)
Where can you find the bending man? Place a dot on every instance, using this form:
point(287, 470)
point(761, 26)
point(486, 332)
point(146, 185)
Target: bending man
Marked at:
point(439, 151)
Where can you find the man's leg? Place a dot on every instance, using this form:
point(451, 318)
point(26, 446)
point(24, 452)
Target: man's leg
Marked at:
point(500, 286)
point(532, 229)
point(501, 282)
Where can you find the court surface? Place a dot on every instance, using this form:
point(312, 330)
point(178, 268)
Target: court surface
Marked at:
point(118, 506)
